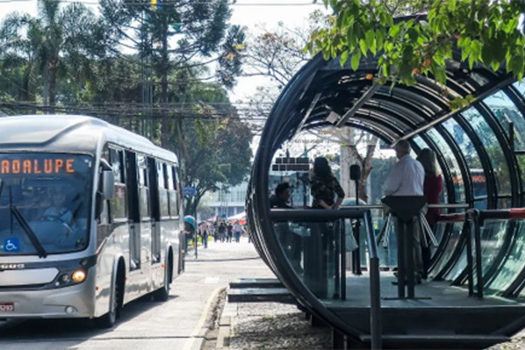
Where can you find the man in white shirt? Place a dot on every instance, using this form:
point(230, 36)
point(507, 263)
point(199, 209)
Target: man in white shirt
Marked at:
point(406, 179)
point(407, 176)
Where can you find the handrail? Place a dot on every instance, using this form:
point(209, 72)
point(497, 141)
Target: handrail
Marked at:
point(453, 217)
point(315, 214)
point(381, 207)
point(375, 285)
point(501, 214)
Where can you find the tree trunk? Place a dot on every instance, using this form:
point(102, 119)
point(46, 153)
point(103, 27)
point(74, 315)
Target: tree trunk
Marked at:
point(45, 92)
point(52, 85)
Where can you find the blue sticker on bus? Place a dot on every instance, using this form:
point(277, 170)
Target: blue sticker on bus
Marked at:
point(12, 245)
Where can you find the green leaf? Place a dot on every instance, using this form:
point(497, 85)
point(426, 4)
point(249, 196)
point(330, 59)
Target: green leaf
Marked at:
point(475, 49)
point(394, 30)
point(369, 37)
point(495, 65)
point(380, 38)
point(356, 58)
point(343, 58)
point(363, 47)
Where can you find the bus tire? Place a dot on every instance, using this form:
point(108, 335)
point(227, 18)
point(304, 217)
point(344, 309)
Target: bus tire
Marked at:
point(163, 293)
point(115, 302)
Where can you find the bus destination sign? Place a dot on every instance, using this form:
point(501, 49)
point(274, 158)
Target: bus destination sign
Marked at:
point(37, 166)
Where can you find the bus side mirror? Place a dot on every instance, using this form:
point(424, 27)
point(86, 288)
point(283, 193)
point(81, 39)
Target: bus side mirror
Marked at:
point(108, 180)
point(108, 184)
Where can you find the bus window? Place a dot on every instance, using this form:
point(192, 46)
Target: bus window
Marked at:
point(118, 203)
point(153, 167)
point(174, 203)
point(163, 192)
point(144, 201)
point(104, 229)
point(51, 193)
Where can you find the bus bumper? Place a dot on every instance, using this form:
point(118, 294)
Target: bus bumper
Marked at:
point(76, 301)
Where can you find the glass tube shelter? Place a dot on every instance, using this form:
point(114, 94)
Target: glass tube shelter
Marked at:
point(481, 155)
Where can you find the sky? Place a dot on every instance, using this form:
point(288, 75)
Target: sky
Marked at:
point(258, 14)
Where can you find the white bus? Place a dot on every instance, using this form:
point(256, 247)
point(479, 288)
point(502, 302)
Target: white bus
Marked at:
point(90, 218)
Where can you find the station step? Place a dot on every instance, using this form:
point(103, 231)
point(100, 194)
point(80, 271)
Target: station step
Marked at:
point(251, 295)
point(430, 341)
point(256, 283)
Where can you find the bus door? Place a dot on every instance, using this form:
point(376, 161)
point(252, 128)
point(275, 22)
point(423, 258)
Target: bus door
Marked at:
point(133, 212)
point(156, 180)
point(144, 202)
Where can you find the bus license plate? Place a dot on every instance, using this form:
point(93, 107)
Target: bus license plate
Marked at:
point(7, 307)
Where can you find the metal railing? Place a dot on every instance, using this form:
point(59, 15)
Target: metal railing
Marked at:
point(477, 218)
point(338, 216)
point(376, 324)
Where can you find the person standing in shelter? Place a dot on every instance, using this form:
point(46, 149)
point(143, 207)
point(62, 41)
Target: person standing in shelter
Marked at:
point(407, 176)
point(319, 248)
point(432, 187)
point(325, 187)
point(281, 196)
point(406, 179)
point(290, 240)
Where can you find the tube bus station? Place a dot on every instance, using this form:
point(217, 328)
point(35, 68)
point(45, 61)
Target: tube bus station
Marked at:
point(473, 296)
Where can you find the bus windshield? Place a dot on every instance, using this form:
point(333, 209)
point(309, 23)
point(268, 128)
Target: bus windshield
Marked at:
point(44, 203)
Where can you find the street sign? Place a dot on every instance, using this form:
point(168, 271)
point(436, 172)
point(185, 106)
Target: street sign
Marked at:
point(291, 164)
point(189, 191)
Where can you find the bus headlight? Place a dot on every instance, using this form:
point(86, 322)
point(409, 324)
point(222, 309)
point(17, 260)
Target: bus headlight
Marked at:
point(78, 276)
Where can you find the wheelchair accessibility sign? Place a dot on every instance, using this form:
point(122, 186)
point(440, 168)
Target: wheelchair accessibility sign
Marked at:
point(12, 245)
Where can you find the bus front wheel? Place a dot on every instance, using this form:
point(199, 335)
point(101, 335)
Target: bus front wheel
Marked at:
point(108, 320)
point(163, 293)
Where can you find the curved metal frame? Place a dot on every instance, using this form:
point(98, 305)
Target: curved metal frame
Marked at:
point(388, 114)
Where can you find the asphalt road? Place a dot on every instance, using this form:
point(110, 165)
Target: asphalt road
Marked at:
point(145, 324)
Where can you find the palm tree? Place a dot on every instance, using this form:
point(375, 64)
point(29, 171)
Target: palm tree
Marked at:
point(56, 36)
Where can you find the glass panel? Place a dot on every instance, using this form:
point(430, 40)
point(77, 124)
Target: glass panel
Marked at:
point(310, 249)
point(471, 157)
point(521, 165)
point(458, 267)
point(506, 112)
point(449, 248)
point(520, 86)
point(514, 263)
point(493, 148)
point(51, 194)
point(492, 238)
point(422, 144)
point(480, 204)
point(118, 203)
point(452, 163)
point(163, 203)
point(493, 235)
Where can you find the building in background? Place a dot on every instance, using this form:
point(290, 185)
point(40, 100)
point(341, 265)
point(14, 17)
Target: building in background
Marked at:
point(228, 201)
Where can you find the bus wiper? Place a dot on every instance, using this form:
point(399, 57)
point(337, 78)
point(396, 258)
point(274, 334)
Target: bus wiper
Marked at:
point(29, 232)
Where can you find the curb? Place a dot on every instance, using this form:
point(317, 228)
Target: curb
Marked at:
point(199, 333)
point(225, 326)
